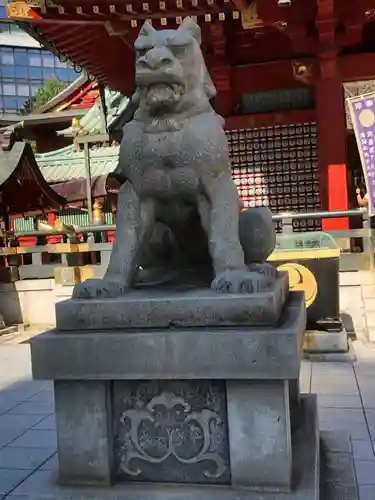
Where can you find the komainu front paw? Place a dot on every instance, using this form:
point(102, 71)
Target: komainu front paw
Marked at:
point(97, 288)
point(241, 281)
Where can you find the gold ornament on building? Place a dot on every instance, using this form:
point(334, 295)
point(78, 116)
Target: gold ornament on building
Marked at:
point(222, 16)
point(302, 72)
point(79, 10)
point(18, 10)
point(133, 23)
point(162, 5)
point(163, 21)
point(250, 19)
point(95, 9)
point(207, 18)
point(112, 9)
point(129, 7)
point(97, 213)
point(178, 20)
point(61, 9)
point(145, 7)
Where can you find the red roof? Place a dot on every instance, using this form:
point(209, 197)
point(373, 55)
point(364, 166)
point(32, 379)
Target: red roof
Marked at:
point(99, 35)
point(82, 98)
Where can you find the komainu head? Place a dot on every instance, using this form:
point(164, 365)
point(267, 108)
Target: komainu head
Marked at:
point(170, 69)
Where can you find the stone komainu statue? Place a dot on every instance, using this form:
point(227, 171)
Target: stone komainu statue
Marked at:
point(175, 168)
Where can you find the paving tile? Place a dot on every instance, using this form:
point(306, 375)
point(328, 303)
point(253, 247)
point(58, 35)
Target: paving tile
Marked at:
point(42, 481)
point(33, 408)
point(23, 458)
point(365, 471)
point(47, 424)
point(324, 368)
point(20, 395)
point(336, 389)
point(17, 497)
point(340, 401)
point(8, 421)
point(355, 430)
point(363, 450)
point(9, 479)
point(350, 415)
point(6, 405)
point(45, 396)
point(37, 439)
point(365, 493)
point(7, 436)
point(368, 399)
point(51, 464)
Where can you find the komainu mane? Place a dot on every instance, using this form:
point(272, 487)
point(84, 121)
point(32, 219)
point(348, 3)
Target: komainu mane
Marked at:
point(175, 167)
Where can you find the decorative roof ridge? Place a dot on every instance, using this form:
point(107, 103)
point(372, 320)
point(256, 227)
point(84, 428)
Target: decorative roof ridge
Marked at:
point(70, 153)
point(64, 93)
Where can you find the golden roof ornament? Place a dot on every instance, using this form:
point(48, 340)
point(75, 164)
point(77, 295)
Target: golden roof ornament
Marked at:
point(250, 19)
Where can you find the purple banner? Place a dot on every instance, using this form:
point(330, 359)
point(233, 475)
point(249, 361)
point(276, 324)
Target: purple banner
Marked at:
point(362, 112)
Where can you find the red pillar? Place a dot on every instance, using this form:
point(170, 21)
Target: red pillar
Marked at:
point(331, 125)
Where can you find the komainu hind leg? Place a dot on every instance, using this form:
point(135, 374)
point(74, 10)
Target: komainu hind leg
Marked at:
point(232, 275)
point(134, 225)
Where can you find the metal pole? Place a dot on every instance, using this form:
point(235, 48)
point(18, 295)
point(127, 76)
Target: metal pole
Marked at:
point(368, 243)
point(88, 180)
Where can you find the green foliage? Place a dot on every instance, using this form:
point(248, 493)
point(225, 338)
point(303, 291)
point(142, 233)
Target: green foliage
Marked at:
point(28, 107)
point(51, 88)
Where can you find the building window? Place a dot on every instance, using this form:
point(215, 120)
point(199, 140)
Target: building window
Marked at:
point(35, 73)
point(23, 89)
point(10, 103)
point(35, 60)
point(8, 71)
point(48, 60)
point(9, 89)
point(21, 72)
point(7, 57)
point(24, 70)
point(20, 57)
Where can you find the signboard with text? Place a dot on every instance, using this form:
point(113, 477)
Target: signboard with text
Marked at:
point(362, 112)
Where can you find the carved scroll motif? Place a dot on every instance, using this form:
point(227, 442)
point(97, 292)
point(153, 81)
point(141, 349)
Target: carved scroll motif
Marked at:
point(164, 427)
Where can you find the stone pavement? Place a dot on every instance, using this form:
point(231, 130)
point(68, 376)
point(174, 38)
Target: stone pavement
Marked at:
point(27, 428)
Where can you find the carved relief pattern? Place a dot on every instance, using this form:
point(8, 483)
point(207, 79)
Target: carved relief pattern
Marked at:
point(168, 431)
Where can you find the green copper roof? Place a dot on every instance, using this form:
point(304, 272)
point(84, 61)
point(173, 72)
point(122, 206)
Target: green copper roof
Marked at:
point(91, 122)
point(67, 164)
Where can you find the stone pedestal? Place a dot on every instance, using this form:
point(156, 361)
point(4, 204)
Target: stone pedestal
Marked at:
point(198, 405)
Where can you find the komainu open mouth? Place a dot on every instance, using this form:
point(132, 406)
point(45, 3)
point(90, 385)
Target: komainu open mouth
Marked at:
point(162, 95)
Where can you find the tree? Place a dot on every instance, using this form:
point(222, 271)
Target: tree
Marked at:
point(28, 106)
point(51, 88)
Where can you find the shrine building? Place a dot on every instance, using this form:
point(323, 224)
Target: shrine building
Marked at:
point(282, 69)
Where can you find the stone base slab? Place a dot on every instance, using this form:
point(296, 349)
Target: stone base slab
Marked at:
point(326, 342)
point(173, 307)
point(188, 353)
point(306, 476)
